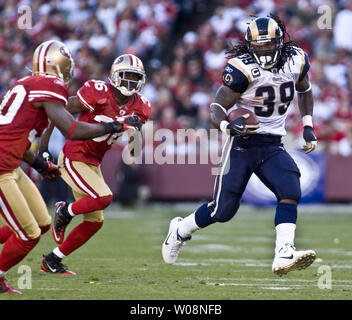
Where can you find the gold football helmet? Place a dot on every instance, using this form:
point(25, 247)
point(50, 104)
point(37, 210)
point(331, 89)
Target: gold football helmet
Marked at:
point(127, 74)
point(52, 57)
point(265, 40)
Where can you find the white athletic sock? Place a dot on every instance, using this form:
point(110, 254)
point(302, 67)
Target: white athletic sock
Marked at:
point(58, 253)
point(285, 233)
point(2, 273)
point(69, 210)
point(187, 226)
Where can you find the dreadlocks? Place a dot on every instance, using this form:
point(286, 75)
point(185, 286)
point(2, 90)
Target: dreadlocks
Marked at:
point(287, 52)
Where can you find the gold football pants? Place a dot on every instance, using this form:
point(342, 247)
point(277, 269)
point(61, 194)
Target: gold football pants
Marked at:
point(22, 207)
point(85, 180)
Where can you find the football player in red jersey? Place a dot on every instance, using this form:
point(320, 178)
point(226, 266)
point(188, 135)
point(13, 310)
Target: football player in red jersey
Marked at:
point(24, 114)
point(97, 102)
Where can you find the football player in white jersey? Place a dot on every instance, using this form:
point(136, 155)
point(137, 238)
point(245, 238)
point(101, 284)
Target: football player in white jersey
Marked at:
point(262, 75)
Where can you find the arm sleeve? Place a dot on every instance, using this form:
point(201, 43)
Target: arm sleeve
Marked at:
point(235, 79)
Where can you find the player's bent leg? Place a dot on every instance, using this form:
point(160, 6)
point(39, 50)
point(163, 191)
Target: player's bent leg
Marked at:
point(281, 175)
point(228, 188)
point(227, 207)
point(35, 201)
point(88, 204)
point(52, 262)
point(18, 217)
point(77, 237)
point(64, 212)
point(180, 230)
point(89, 189)
point(13, 251)
point(5, 233)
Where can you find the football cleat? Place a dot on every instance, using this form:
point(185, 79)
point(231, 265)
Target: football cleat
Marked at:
point(6, 288)
point(52, 264)
point(288, 259)
point(173, 242)
point(61, 220)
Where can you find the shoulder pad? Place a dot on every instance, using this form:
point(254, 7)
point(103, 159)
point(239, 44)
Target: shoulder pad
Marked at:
point(236, 75)
point(43, 88)
point(300, 64)
point(144, 109)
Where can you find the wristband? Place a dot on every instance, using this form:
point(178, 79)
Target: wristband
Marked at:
point(223, 126)
point(307, 120)
point(219, 105)
point(309, 88)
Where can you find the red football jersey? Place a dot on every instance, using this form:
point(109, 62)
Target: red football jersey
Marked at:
point(21, 121)
point(97, 97)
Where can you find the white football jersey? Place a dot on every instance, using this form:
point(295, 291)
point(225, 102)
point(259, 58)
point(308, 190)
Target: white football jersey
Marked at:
point(267, 93)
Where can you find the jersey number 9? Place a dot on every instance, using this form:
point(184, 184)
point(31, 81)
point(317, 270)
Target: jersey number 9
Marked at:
point(286, 90)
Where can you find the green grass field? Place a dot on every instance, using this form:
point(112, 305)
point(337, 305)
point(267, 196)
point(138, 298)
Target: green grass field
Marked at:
point(224, 261)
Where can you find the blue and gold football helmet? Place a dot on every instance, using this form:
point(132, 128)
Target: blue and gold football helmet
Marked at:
point(264, 40)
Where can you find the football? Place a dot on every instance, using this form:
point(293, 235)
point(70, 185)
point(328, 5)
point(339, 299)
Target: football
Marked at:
point(239, 112)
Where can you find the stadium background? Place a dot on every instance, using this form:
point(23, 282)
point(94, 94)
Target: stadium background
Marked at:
point(182, 44)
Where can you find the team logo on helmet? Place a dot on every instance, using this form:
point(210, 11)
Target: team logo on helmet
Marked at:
point(118, 60)
point(64, 52)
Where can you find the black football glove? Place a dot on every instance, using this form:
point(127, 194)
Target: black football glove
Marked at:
point(45, 155)
point(47, 169)
point(52, 172)
point(239, 126)
point(123, 124)
point(134, 121)
point(310, 138)
point(113, 127)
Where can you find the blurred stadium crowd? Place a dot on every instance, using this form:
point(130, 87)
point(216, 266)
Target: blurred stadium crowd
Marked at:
point(184, 68)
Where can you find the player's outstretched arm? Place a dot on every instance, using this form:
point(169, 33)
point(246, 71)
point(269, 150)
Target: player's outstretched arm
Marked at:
point(72, 107)
point(306, 105)
point(77, 130)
